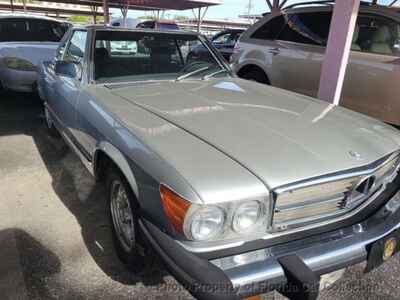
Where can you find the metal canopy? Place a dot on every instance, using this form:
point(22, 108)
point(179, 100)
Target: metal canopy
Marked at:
point(147, 4)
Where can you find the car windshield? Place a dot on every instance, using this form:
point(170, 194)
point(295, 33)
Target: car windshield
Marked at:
point(31, 30)
point(127, 56)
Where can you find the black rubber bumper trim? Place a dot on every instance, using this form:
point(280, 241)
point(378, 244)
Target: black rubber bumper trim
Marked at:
point(201, 278)
point(302, 282)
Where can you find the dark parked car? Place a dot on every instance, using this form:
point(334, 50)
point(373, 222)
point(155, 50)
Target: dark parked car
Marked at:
point(224, 41)
point(161, 24)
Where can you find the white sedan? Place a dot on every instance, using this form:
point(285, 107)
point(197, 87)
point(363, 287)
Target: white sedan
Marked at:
point(26, 41)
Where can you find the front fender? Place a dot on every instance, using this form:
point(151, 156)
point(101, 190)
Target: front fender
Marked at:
point(119, 159)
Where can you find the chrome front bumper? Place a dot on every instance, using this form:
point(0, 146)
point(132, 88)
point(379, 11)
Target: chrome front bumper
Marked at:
point(255, 272)
point(321, 253)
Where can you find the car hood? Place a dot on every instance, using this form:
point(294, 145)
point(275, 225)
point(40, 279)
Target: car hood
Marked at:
point(35, 52)
point(279, 136)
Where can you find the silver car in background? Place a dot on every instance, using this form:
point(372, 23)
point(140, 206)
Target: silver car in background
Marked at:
point(26, 41)
point(288, 50)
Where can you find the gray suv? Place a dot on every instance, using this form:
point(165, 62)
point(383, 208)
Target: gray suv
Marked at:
point(287, 51)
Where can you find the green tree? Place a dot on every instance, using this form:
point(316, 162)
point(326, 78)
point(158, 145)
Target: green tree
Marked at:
point(146, 18)
point(85, 19)
point(181, 18)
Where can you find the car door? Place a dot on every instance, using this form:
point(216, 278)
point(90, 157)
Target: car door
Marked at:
point(48, 77)
point(371, 84)
point(67, 88)
point(300, 50)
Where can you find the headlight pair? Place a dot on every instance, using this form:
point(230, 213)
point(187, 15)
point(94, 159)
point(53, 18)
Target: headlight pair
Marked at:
point(210, 222)
point(19, 64)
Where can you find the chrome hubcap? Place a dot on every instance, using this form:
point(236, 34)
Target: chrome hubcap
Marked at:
point(122, 217)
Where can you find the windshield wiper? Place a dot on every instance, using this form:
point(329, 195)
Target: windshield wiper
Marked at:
point(206, 77)
point(184, 76)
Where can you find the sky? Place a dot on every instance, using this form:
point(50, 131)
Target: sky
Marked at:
point(230, 9)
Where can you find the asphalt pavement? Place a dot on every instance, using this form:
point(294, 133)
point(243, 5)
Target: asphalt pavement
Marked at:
point(55, 240)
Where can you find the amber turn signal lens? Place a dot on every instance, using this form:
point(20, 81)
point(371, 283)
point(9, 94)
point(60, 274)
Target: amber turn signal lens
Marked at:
point(254, 298)
point(175, 207)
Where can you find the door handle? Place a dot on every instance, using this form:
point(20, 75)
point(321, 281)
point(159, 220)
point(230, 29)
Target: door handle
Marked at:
point(274, 51)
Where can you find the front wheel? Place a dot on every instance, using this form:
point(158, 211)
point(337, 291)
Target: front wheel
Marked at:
point(124, 215)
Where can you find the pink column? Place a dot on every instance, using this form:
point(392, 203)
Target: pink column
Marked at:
point(338, 50)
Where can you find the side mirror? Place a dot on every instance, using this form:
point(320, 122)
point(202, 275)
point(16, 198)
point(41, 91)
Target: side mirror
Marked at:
point(68, 69)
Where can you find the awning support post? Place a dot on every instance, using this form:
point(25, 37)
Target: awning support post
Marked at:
point(274, 6)
point(282, 4)
point(200, 17)
point(199, 21)
point(124, 11)
point(94, 13)
point(12, 5)
point(338, 50)
point(106, 12)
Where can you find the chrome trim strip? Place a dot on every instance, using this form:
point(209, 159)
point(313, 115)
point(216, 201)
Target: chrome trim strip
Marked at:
point(303, 205)
point(212, 248)
point(88, 165)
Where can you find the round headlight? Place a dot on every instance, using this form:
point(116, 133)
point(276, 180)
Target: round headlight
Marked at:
point(246, 216)
point(206, 223)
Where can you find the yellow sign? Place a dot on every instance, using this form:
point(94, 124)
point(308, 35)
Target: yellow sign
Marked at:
point(389, 248)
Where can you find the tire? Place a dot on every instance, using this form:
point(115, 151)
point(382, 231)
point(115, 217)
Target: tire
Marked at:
point(51, 129)
point(257, 76)
point(124, 219)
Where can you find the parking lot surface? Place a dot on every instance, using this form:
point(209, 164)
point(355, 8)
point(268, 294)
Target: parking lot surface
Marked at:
point(55, 240)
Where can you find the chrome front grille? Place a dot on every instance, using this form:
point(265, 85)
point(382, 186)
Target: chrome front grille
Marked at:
point(327, 198)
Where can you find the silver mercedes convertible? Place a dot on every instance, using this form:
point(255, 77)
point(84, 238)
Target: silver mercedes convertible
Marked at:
point(237, 187)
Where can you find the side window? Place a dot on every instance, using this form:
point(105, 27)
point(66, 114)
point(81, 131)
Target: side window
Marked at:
point(13, 30)
point(46, 31)
point(222, 39)
point(235, 37)
point(376, 34)
point(76, 49)
point(307, 28)
point(271, 29)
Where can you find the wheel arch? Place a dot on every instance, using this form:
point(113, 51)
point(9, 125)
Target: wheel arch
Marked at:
point(107, 152)
point(253, 67)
